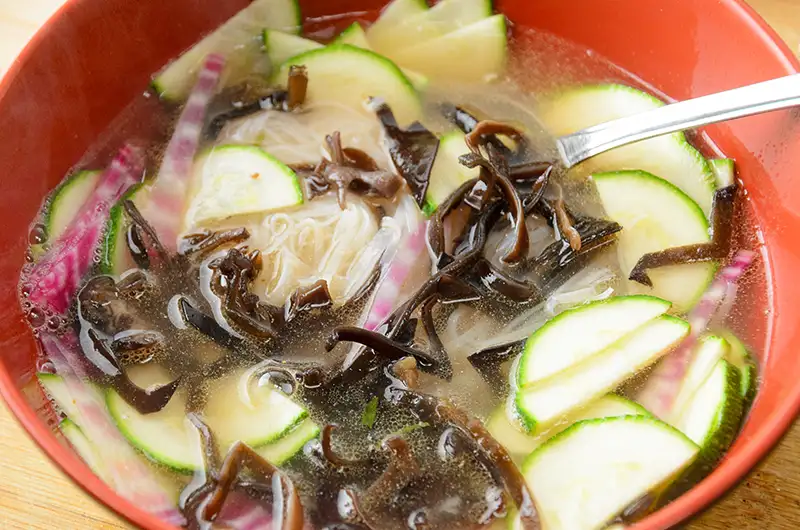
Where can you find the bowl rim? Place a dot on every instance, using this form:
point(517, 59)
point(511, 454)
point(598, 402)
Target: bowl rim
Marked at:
point(688, 505)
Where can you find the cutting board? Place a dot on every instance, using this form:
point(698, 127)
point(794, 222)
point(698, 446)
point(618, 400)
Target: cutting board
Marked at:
point(34, 495)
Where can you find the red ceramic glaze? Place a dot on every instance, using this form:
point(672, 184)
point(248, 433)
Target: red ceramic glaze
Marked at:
point(95, 56)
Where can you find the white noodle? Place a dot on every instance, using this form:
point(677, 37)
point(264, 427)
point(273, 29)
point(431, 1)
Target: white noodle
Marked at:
point(318, 241)
point(298, 137)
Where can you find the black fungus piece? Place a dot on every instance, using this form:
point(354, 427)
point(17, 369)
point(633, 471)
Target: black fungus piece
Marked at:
point(278, 100)
point(268, 478)
point(306, 299)
point(412, 150)
point(330, 454)
point(382, 346)
point(136, 248)
point(202, 244)
point(435, 232)
point(473, 246)
point(242, 307)
point(490, 452)
point(467, 122)
point(148, 240)
point(345, 171)
point(137, 347)
point(722, 212)
point(497, 280)
point(437, 348)
point(297, 87)
point(144, 401)
point(489, 363)
point(207, 325)
point(558, 262)
point(563, 222)
point(496, 165)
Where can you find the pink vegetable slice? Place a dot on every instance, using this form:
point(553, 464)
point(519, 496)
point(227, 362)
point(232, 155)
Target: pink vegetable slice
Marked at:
point(168, 196)
point(53, 281)
point(130, 476)
point(407, 256)
point(665, 383)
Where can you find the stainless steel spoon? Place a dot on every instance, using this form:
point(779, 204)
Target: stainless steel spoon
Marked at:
point(746, 101)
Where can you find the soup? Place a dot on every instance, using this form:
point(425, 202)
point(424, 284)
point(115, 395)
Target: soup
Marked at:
point(343, 282)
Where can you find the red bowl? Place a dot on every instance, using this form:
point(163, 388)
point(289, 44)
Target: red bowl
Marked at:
point(95, 56)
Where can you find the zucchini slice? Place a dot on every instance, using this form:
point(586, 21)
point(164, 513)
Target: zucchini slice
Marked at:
point(67, 200)
point(579, 333)
point(238, 39)
point(705, 357)
point(238, 179)
point(472, 54)
point(281, 46)
point(713, 415)
point(585, 476)
point(280, 451)
point(56, 389)
point(542, 403)
point(418, 26)
point(393, 16)
point(350, 76)
point(724, 171)
point(114, 255)
point(168, 438)
point(63, 204)
point(739, 356)
point(520, 444)
point(354, 35)
point(83, 446)
point(655, 215)
point(671, 157)
point(447, 173)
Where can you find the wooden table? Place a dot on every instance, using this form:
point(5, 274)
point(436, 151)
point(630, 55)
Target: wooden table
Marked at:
point(34, 495)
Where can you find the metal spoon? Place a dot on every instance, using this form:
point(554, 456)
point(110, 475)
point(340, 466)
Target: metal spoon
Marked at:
point(746, 101)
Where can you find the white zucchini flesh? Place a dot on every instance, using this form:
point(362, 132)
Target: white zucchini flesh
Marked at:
point(740, 356)
point(655, 215)
point(448, 173)
point(389, 37)
point(354, 35)
point(545, 402)
point(705, 357)
point(56, 389)
point(520, 444)
point(233, 180)
point(83, 446)
point(671, 157)
point(394, 14)
point(473, 54)
point(578, 333)
point(238, 40)
point(711, 418)
point(350, 76)
point(588, 474)
point(168, 437)
point(281, 46)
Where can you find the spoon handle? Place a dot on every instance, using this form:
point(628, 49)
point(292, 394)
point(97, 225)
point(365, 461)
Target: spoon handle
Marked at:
point(739, 102)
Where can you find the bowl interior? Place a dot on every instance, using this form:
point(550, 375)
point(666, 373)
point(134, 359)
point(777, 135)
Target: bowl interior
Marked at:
point(95, 56)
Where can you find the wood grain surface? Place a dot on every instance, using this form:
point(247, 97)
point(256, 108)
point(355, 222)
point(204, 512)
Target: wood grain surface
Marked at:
point(34, 495)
